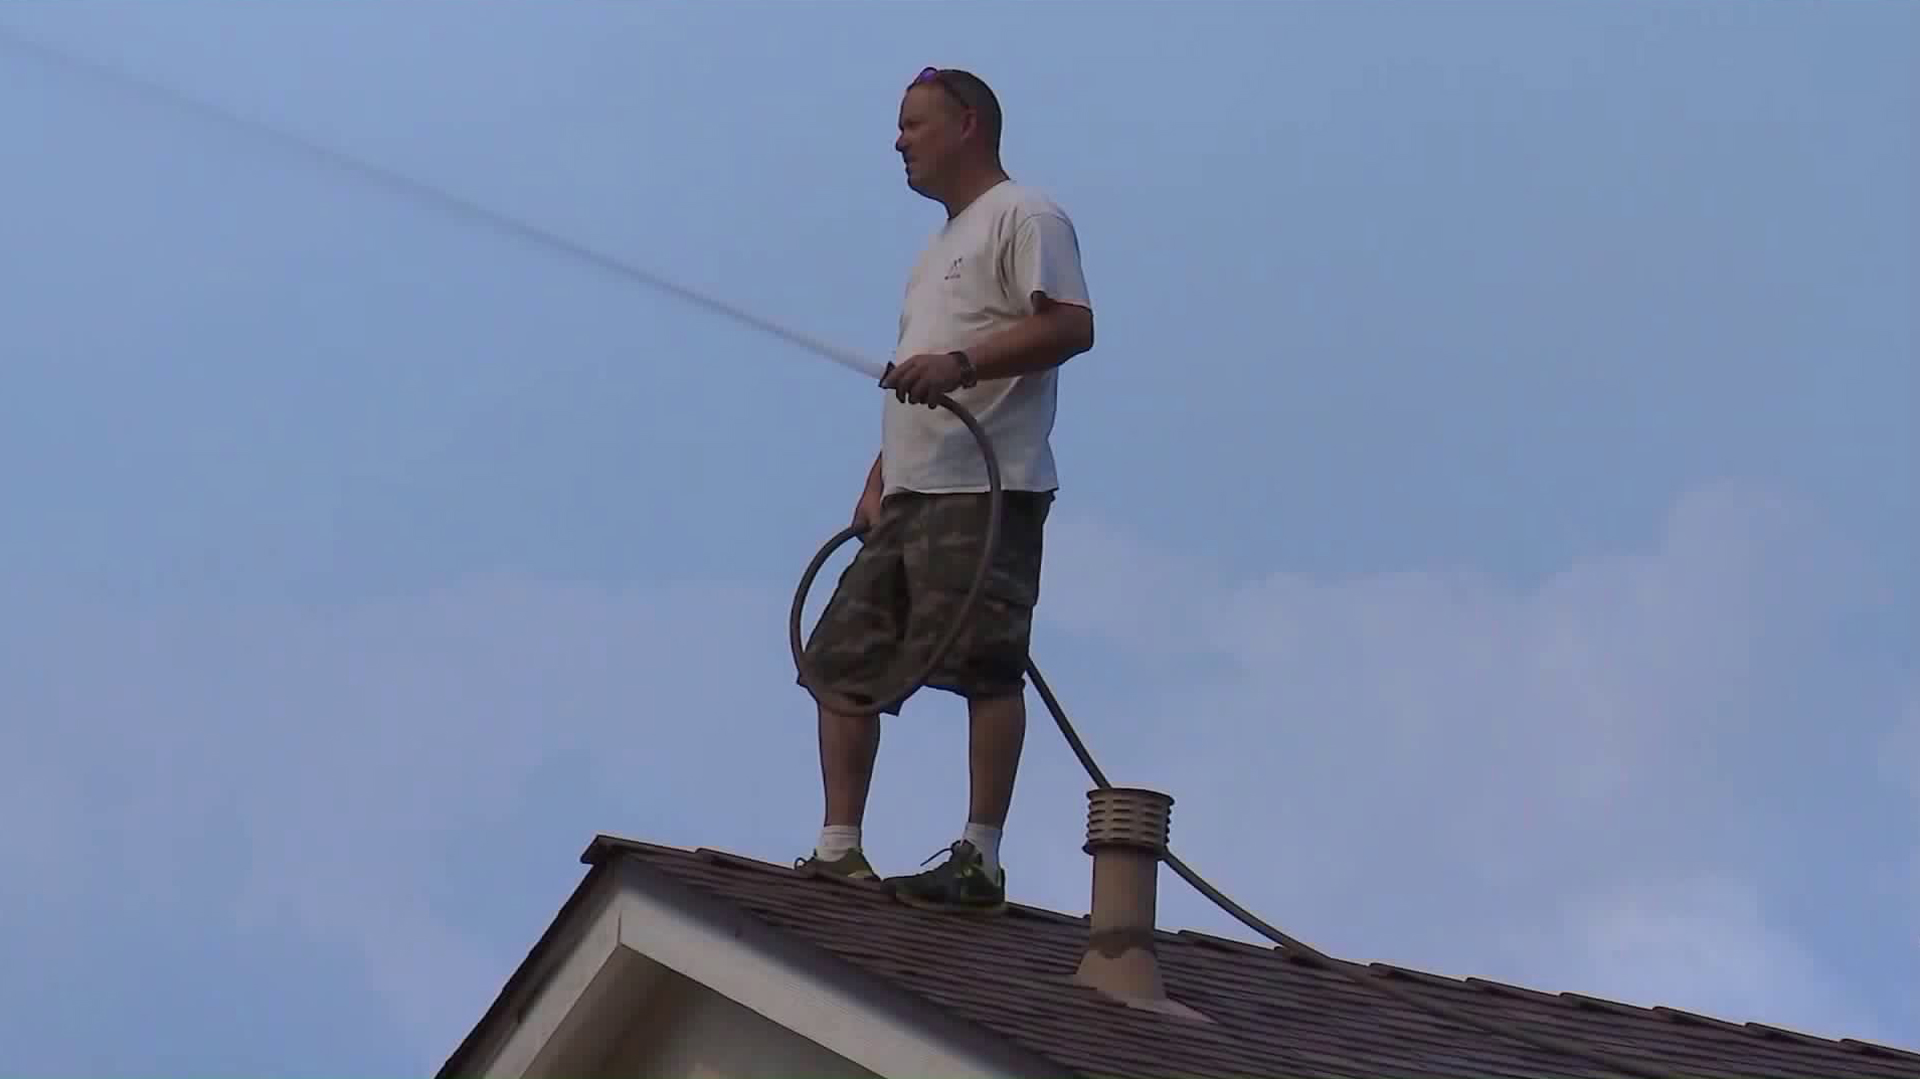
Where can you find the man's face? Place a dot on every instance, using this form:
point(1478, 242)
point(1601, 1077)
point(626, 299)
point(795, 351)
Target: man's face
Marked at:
point(933, 130)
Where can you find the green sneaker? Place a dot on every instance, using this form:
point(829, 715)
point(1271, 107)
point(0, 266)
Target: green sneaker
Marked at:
point(851, 865)
point(960, 885)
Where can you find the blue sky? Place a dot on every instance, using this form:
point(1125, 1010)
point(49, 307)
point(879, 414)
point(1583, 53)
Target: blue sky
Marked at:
point(1488, 510)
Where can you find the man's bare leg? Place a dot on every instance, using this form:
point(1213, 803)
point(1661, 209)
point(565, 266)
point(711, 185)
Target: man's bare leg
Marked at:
point(848, 748)
point(997, 730)
point(848, 745)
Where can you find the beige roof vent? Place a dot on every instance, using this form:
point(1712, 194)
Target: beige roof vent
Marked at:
point(1126, 834)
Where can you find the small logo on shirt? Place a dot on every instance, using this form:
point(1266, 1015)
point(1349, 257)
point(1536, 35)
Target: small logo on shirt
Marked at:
point(953, 270)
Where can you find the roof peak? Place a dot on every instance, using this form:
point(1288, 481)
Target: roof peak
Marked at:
point(1243, 975)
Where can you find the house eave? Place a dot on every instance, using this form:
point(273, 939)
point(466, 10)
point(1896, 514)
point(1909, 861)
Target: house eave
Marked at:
point(560, 940)
point(624, 908)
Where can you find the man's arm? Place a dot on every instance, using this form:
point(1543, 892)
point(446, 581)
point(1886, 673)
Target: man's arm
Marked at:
point(1052, 335)
point(866, 509)
point(1043, 261)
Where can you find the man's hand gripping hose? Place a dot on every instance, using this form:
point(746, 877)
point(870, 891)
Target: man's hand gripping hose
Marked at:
point(1372, 977)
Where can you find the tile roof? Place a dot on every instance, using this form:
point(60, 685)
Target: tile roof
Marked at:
point(1273, 1013)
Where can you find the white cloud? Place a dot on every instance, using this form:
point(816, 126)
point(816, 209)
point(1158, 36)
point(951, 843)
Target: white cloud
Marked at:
point(1428, 768)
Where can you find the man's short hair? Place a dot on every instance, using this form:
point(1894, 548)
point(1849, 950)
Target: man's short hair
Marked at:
point(972, 92)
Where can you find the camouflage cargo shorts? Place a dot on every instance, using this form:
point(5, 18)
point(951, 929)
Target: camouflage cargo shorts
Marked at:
point(898, 598)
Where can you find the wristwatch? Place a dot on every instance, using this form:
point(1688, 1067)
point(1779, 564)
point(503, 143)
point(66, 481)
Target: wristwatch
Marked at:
point(968, 376)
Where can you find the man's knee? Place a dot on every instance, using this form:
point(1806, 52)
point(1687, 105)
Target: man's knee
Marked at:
point(998, 706)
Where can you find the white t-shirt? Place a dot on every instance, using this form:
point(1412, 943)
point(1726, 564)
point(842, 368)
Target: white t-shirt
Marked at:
point(976, 277)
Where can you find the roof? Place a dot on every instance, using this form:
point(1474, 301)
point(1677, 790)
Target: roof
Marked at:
point(1273, 1012)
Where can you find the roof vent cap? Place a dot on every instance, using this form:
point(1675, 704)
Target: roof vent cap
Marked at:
point(1127, 835)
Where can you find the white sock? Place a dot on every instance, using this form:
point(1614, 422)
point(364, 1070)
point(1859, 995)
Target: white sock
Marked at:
point(987, 841)
point(837, 839)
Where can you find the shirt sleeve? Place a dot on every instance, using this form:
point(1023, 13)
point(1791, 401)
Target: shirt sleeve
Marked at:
point(1046, 258)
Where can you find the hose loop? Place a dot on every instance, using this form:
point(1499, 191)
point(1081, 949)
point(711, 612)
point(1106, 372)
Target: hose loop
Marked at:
point(836, 701)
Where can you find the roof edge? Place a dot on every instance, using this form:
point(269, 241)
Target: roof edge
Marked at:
point(885, 1000)
point(528, 976)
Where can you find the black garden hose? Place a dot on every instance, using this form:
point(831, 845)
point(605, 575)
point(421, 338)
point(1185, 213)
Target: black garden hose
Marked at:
point(835, 701)
point(1373, 977)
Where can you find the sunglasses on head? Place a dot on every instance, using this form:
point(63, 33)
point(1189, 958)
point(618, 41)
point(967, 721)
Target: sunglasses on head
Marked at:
point(935, 76)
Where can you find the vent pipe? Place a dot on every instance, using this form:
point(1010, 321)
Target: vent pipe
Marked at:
point(1126, 834)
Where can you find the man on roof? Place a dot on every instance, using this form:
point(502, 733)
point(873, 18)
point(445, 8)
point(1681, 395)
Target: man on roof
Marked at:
point(995, 304)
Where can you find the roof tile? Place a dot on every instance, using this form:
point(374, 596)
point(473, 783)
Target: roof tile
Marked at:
point(1272, 1012)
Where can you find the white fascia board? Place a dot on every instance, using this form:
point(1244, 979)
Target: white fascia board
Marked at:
point(571, 970)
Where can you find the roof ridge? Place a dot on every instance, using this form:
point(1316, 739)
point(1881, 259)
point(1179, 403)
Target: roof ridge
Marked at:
point(605, 845)
point(1508, 989)
point(1425, 977)
point(1682, 1016)
point(1856, 1045)
point(1692, 1018)
point(1202, 939)
point(1601, 1004)
point(1778, 1033)
point(1590, 1002)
